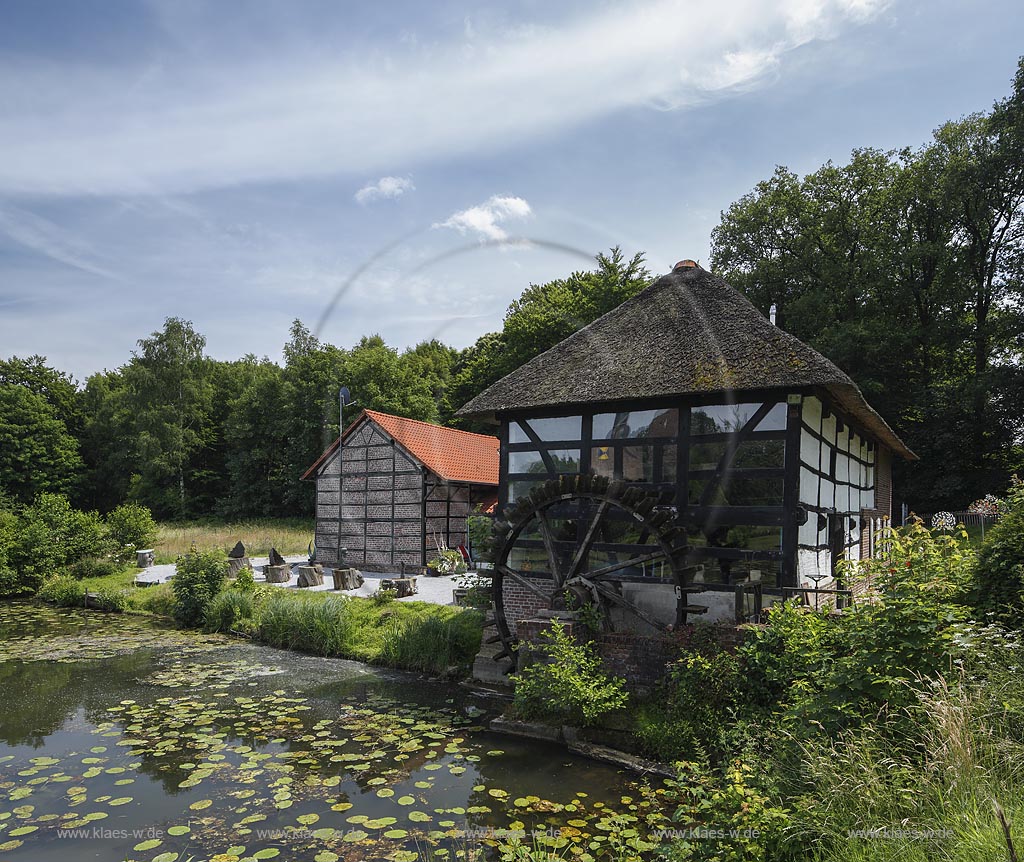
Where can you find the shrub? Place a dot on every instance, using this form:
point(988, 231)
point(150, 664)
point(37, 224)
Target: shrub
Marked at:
point(48, 536)
point(570, 685)
point(693, 706)
point(63, 591)
point(157, 599)
point(108, 599)
point(448, 562)
point(997, 586)
point(93, 567)
point(130, 527)
point(480, 531)
point(199, 577)
point(384, 596)
point(230, 610)
point(734, 820)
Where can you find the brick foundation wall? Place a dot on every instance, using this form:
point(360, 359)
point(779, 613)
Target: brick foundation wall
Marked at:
point(521, 603)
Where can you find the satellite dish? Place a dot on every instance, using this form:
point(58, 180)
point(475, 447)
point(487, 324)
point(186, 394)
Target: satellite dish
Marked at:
point(346, 396)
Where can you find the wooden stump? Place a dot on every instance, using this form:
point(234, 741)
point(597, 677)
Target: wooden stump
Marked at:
point(236, 564)
point(311, 576)
point(277, 574)
point(347, 579)
point(402, 586)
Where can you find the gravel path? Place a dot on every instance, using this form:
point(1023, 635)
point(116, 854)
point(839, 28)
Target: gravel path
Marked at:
point(435, 590)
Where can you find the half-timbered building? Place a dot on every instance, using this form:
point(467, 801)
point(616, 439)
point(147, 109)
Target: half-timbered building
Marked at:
point(765, 451)
point(390, 490)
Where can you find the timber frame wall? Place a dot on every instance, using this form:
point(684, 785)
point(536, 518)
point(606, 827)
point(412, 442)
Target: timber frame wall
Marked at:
point(387, 506)
point(819, 466)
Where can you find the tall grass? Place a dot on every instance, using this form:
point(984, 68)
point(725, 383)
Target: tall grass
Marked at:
point(409, 635)
point(969, 753)
point(289, 536)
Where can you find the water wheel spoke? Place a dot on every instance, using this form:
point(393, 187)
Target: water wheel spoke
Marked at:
point(549, 546)
point(523, 582)
point(613, 596)
point(588, 539)
point(604, 571)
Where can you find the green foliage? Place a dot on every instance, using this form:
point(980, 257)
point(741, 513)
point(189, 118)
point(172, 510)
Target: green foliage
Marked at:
point(384, 596)
point(732, 819)
point(131, 527)
point(230, 610)
point(431, 643)
point(448, 562)
point(199, 577)
point(108, 599)
point(568, 684)
point(480, 591)
point(63, 591)
point(93, 567)
point(480, 530)
point(841, 669)
point(49, 535)
point(37, 454)
point(695, 704)
point(998, 576)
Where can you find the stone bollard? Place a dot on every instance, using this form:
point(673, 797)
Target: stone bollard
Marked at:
point(311, 576)
point(277, 574)
point(144, 558)
point(347, 579)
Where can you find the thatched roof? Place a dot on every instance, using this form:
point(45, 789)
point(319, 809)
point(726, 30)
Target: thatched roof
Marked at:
point(688, 333)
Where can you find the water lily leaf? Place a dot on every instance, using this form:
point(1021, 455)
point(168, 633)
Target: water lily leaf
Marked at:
point(307, 819)
point(266, 853)
point(396, 833)
point(201, 804)
point(326, 856)
point(419, 816)
point(405, 800)
point(178, 830)
point(10, 845)
point(148, 844)
point(22, 830)
point(121, 800)
point(165, 857)
point(354, 835)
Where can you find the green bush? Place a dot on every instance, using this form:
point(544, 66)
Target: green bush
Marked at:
point(48, 536)
point(230, 610)
point(384, 596)
point(734, 819)
point(94, 567)
point(130, 527)
point(694, 705)
point(108, 599)
point(480, 531)
point(448, 562)
point(63, 591)
point(997, 587)
point(199, 577)
point(157, 599)
point(568, 684)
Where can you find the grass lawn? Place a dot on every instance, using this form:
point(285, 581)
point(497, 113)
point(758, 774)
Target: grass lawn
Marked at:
point(289, 536)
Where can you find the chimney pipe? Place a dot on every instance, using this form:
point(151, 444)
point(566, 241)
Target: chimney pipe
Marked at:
point(771, 314)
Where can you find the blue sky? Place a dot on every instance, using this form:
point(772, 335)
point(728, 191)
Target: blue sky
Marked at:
point(237, 163)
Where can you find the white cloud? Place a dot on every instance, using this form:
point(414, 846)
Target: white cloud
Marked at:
point(484, 219)
point(46, 238)
point(385, 187)
point(206, 118)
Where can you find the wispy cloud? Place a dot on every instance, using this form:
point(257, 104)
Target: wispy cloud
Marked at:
point(48, 239)
point(385, 187)
point(484, 219)
point(206, 119)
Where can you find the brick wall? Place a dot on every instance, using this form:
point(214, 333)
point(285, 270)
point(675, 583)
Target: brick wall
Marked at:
point(521, 603)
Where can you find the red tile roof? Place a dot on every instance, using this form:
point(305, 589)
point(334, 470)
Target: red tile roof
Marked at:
point(458, 456)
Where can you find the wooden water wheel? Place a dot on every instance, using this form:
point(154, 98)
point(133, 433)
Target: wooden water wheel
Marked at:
point(602, 550)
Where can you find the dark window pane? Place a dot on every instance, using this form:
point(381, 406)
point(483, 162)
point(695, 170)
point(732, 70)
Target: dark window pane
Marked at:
point(638, 463)
point(637, 423)
point(566, 461)
point(518, 490)
point(750, 453)
point(726, 418)
point(558, 428)
point(738, 491)
point(669, 459)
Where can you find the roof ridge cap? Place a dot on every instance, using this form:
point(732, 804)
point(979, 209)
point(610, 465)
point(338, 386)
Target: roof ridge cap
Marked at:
point(429, 424)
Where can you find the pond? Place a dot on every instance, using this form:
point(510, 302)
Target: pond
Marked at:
point(123, 739)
